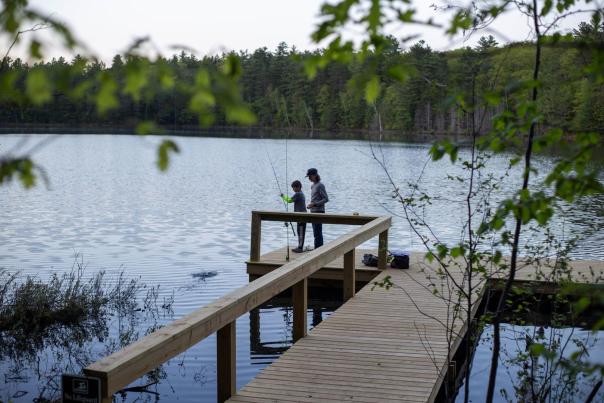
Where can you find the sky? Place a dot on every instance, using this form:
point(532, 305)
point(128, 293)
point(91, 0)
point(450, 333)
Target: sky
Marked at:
point(213, 26)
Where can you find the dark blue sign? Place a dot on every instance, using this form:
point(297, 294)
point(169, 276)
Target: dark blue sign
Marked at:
point(80, 389)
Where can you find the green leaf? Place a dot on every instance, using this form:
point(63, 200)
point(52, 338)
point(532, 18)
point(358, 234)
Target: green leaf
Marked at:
point(240, 114)
point(35, 49)
point(23, 168)
point(581, 305)
point(547, 6)
point(163, 153)
point(106, 98)
point(232, 66)
point(147, 127)
point(537, 349)
point(137, 72)
point(38, 87)
point(457, 251)
point(372, 89)
point(400, 72)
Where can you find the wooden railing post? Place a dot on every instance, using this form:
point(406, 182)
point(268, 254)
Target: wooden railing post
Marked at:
point(349, 275)
point(383, 250)
point(300, 303)
point(255, 238)
point(226, 362)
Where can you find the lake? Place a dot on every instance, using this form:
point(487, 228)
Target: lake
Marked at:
point(187, 230)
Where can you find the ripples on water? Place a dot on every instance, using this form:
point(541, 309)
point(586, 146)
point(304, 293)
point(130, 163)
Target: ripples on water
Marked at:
point(109, 203)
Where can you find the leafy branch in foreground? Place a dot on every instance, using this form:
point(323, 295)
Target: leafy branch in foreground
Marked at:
point(215, 87)
point(519, 129)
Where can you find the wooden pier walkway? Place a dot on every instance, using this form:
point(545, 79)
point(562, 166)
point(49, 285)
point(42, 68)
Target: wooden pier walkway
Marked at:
point(377, 347)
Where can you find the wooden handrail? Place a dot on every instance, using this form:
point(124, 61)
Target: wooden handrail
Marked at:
point(125, 366)
point(323, 218)
point(283, 216)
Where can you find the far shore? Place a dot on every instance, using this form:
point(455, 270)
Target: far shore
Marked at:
point(239, 132)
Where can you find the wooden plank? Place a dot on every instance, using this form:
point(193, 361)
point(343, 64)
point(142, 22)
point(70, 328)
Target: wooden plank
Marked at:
point(383, 250)
point(123, 367)
point(300, 306)
point(255, 237)
point(342, 219)
point(349, 278)
point(226, 362)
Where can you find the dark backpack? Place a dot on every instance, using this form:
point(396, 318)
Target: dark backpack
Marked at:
point(370, 260)
point(400, 259)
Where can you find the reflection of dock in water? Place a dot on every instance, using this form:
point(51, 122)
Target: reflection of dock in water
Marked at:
point(266, 351)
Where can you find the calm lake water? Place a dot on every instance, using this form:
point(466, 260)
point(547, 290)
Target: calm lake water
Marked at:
point(187, 230)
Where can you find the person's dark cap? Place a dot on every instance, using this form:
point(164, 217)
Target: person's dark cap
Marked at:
point(312, 171)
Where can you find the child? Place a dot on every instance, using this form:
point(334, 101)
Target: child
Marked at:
point(299, 207)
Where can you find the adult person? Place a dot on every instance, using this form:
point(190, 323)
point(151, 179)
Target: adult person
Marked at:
point(318, 198)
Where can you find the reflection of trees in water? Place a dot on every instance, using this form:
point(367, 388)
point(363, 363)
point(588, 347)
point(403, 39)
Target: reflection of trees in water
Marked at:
point(35, 353)
point(64, 324)
point(265, 352)
point(547, 349)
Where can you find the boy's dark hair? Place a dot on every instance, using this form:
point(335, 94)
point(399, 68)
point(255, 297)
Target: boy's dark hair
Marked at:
point(297, 184)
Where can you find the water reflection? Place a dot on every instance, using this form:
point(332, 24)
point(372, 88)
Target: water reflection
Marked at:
point(67, 323)
point(264, 351)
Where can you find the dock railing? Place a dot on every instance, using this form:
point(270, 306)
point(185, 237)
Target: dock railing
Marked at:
point(123, 367)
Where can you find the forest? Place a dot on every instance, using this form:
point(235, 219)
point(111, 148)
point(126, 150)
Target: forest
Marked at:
point(276, 87)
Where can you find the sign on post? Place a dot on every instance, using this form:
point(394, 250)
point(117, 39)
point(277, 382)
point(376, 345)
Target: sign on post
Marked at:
point(80, 389)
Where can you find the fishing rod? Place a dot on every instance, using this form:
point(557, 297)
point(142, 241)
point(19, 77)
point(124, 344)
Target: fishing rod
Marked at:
point(286, 163)
point(278, 186)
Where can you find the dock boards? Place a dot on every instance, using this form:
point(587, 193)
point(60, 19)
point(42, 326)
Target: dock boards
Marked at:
point(381, 345)
point(377, 347)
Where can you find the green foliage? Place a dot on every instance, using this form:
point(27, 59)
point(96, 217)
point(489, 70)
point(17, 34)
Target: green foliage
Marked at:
point(413, 90)
point(23, 169)
point(37, 87)
point(59, 91)
point(529, 93)
point(163, 153)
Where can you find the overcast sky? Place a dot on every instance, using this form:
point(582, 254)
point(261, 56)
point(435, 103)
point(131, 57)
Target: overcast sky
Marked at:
point(211, 26)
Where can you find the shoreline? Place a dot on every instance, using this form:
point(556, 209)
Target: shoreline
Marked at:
point(251, 132)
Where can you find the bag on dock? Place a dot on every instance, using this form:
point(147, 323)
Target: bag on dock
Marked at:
point(370, 260)
point(400, 259)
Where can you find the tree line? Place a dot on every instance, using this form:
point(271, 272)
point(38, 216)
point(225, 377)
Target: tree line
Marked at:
point(276, 87)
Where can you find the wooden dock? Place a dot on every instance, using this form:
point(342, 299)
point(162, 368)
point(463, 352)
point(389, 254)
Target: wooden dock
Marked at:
point(380, 346)
point(377, 347)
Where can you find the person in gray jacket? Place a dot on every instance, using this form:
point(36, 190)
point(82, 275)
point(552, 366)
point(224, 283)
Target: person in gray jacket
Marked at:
point(318, 198)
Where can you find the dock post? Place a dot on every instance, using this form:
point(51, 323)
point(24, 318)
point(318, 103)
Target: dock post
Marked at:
point(255, 237)
point(300, 303)
point(226, 362)
point(349, 275)
point(383, 250)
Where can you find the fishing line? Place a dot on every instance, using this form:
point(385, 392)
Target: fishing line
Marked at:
point(285, 204)
point(286, 165)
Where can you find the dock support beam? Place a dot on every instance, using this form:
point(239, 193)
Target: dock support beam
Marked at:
point(349, 275)
point(226, 362)
point(300, 303)
point(383, 250)
point(255, 237)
